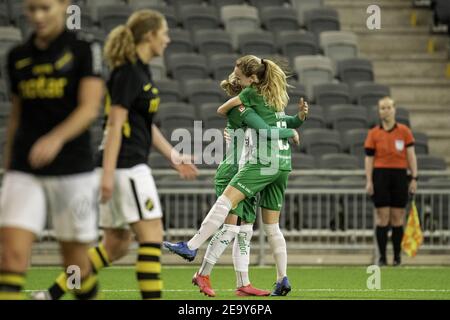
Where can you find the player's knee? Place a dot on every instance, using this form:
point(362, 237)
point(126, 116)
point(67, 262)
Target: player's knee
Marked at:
point(271, 229)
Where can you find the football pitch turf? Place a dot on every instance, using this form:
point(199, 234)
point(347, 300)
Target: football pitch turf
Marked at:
point(118, 283)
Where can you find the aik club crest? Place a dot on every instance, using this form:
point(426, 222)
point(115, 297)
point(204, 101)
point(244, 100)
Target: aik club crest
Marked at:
point(149, 204)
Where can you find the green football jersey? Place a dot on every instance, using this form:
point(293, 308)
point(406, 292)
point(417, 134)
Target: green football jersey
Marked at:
point(267, 152)
point(230, 164)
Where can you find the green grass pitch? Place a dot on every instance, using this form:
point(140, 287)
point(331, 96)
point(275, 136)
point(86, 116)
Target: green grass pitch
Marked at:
point(119, 283)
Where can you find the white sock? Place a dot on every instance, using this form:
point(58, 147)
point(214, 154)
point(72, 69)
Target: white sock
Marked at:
point(241, 254)
point(217, 246)
point(214, 219)
point(278, 245)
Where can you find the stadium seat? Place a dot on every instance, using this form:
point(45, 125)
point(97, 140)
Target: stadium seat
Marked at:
point(420, 142)
point(313, 70)
point(429, 162)
point(296, 92)
point(168, 12)
point(278, 18)
point(297, 43)
point(19, 18)
point(323, 19)
point(143, 3)
point(158, 161)
point(256, 42)
point(158, 69)
point(184, 66)
point(112, 15)
point(347, 116)
point(200, 91)
point(180, 42)
point(5, 110)
point(339, 45)
point(369, 93)
point(197, 17)
point(3, 92)
point(221, 3)
point(4, 17)
point(301, 6)
point(302, 161)
point(351, 71)
point(9, 37)
point(238, 19)
point(329, 94)
point(222, 65)
point(213, 41)
point(321, 141)
point(174, 115)
point(316, 117)
point(261, 4)
point(211, 119)
point(353, 141)
point(169, 90)
point(402, 116)
point(338, 161)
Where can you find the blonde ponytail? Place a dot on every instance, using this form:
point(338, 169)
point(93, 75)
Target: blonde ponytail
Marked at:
point(272, 83)
point(274, 86)
point(119, 47)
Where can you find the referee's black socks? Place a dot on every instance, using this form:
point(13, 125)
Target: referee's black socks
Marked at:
point(382, 234)
point(397, 236)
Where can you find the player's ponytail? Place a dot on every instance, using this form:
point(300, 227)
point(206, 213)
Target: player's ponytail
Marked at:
point(273, 86)
point(120, 46)
point(272, 80)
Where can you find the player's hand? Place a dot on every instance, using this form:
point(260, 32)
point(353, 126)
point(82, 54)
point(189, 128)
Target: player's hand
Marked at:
point(412, 187)
point(45, 150)
point(369, 188)
point(303, 109)
point(185, 166)
point(106, 187)
point(296, 138)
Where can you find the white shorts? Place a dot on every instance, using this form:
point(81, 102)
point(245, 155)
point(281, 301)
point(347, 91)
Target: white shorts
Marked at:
point(70, 202)
point(134, 198)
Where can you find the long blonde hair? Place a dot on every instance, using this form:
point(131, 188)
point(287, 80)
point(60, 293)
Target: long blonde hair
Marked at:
point(272, 83)
point(120, 45)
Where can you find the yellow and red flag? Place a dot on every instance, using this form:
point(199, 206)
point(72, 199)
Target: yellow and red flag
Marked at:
point(413, 237)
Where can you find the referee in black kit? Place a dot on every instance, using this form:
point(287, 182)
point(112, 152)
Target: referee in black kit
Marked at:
point(56, 94)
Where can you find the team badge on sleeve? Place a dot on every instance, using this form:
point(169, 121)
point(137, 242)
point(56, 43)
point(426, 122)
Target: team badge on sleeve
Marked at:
point(241, 108)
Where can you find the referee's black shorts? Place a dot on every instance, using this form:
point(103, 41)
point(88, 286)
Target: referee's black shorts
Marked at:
point(390, 188)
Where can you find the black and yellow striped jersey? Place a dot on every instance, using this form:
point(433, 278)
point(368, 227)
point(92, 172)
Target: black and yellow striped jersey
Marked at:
point(47, 82)
point(130, 86)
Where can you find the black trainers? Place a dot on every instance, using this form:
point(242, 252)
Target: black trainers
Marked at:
point(397, 261)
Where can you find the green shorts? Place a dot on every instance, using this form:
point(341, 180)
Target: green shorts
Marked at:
point(246, 209)
point(271, 184)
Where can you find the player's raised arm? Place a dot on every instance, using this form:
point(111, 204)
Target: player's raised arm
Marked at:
point(230, 104)
point(297, 120)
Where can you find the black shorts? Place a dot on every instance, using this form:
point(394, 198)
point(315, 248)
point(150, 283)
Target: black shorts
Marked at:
point(390, 188)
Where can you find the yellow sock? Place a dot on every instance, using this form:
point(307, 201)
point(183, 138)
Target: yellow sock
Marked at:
point(148, 270)
point(88, 288)
point(99, 257)
point(11, 285)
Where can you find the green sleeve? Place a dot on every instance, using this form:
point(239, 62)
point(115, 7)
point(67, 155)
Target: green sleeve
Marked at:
point(293, 121)
point(254, 121)
point(246, 96)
